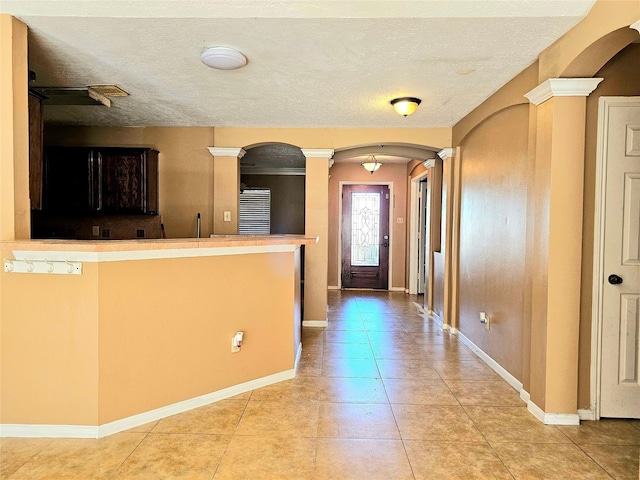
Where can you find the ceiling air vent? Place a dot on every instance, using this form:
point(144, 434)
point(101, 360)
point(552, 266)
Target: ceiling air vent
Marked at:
point(92, 95)
point(109, 90)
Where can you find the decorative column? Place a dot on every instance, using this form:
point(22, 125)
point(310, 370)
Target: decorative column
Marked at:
point(557, 246)
point(226, 189)
point(316, 219)
point(446, 251)
point(15, 208)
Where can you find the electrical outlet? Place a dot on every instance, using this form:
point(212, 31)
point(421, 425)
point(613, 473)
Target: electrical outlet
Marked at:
point(96, 230)
point(485, 319)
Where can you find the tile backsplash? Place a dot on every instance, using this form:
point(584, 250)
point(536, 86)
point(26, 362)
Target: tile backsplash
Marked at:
point(94, 227)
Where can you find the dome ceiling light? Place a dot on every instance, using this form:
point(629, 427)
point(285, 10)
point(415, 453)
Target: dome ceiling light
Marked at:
point(223, 58)
point(405, 105)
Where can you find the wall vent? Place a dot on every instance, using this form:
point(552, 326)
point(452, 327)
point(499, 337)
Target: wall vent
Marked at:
point(255, 211)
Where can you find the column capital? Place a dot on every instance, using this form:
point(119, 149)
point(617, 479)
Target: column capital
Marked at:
point(227, 152)
point(562, 87)
point(317, 152)
point(447, 153)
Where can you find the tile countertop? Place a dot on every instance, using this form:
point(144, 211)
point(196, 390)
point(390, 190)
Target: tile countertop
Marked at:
point(215, 241)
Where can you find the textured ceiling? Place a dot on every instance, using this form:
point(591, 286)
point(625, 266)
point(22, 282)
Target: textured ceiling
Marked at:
point(311, 63)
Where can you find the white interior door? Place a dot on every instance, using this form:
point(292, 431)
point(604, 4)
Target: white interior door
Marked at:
point(620, 354)
point(422, 224)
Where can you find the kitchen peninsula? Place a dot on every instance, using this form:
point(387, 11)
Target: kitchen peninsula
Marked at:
point(145, 330)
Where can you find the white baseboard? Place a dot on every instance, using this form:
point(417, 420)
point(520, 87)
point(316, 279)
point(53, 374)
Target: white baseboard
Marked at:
point(83, 431)
point(315, 323)
point(298, 357)
point(495, 366)
point(420, 308)
point(553, 418)
point(586, 414)
point(550, 418)
point(333, 287)
point(438, 321)
point(396, 289)
point(544, 417)
point(48, 431)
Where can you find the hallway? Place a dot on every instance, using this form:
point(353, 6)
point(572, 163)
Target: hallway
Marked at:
point(382, 393)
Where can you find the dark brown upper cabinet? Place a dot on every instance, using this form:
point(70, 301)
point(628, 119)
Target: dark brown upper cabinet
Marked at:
point(109, 180)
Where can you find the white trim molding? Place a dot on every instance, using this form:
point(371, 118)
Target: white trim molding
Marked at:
point(586, 414)
point(315, 323)
point(128, 255)
point(317, 153)
point(495, 366)
point(635, 26)
point(553, 418)
point(446, 153)
point(83, 431)
point(429, 163)
point(544, 417)
point(227, 152)
point(562, 87)
point(298, 357)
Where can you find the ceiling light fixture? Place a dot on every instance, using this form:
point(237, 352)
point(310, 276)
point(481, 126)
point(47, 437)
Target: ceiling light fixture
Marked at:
point(223, 58)
point(371, 164)
point(405, 105)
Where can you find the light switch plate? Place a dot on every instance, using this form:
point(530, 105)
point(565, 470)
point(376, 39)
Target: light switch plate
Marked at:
point(227, 216)
point(96, 230)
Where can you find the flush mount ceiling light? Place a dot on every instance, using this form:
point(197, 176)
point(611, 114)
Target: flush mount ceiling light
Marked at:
point(223, 58)
point(405, 105)
point(371, 164)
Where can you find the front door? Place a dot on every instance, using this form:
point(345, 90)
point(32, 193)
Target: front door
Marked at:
point(620, 382)
point(365, 236)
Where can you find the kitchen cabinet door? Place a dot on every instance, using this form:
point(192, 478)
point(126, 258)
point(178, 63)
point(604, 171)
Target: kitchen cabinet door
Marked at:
point(68, 180)
point(128, 180)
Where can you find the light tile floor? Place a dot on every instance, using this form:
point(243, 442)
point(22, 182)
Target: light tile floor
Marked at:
point(381, 393)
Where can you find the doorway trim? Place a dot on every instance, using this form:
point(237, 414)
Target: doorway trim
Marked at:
point(413, 233)
point(391, 207)
point(604, 104)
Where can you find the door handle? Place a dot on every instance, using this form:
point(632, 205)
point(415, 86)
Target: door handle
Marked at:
point(614, 279)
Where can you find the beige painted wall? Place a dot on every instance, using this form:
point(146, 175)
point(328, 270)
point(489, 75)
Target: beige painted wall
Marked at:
point(175, 343)
point(604, 17)
point(49, 348)
point(335, 138)
point(185, 168)
point(492, 234)
point(127, 337)
point(316, 224)
point(388, 173)
point(15, 209)
point(582, 52)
